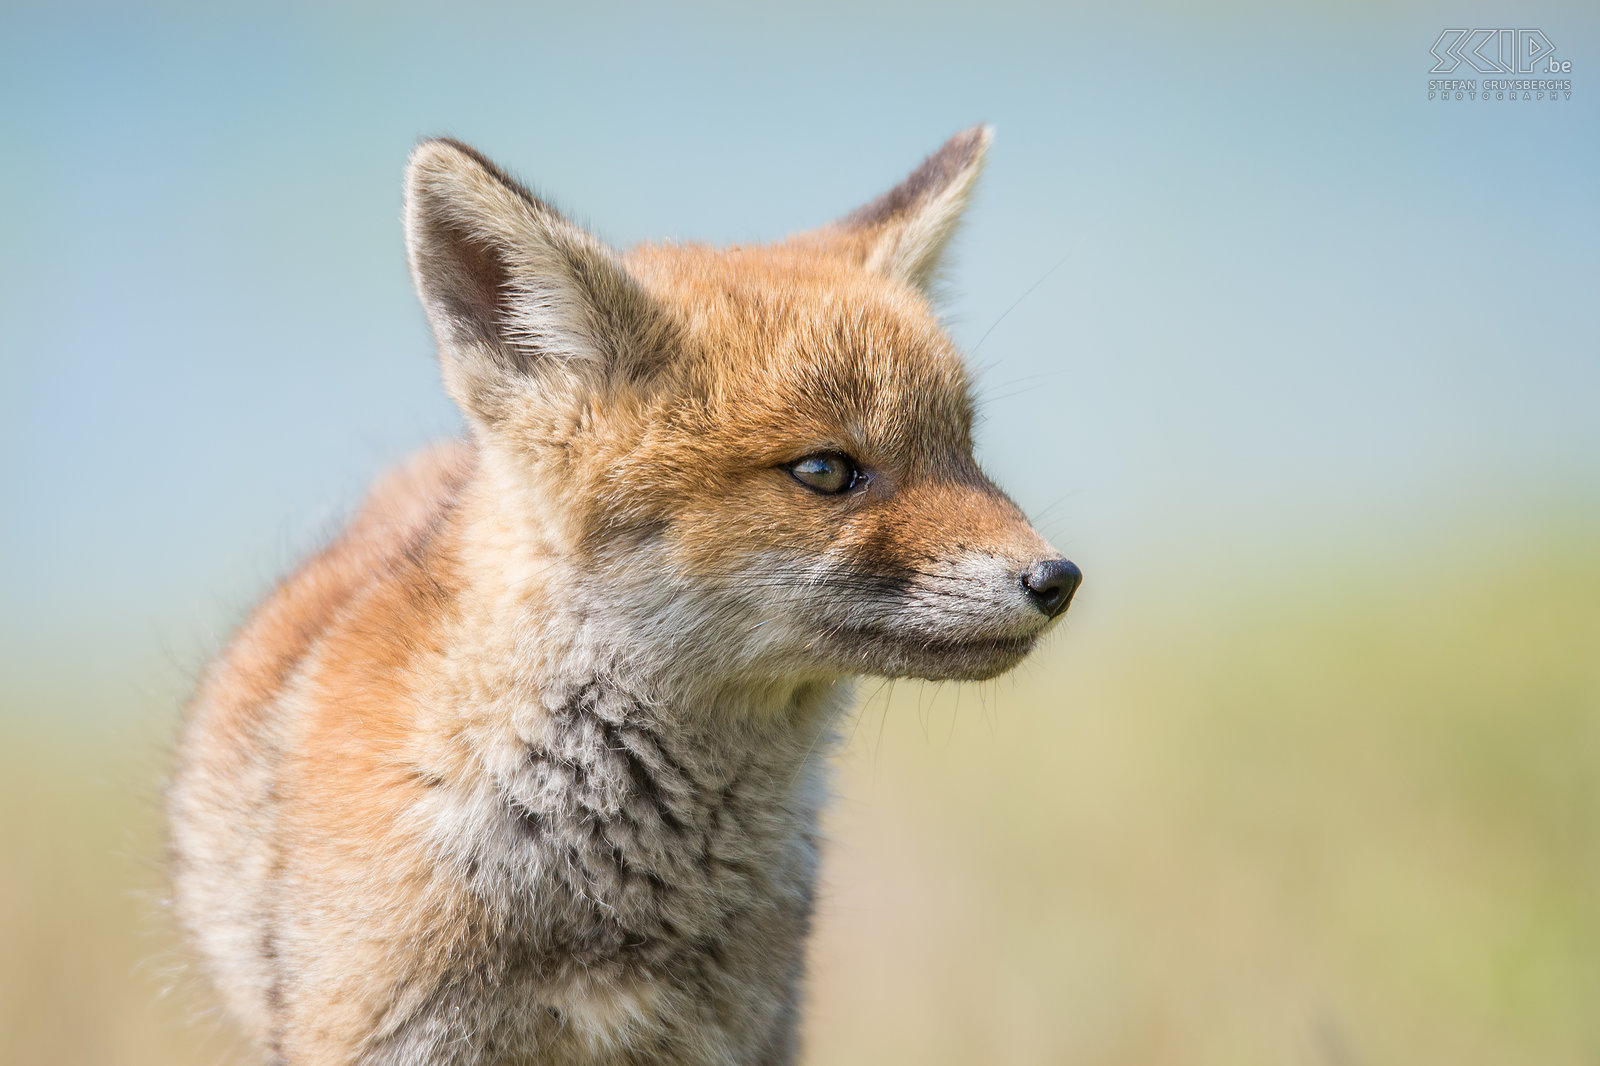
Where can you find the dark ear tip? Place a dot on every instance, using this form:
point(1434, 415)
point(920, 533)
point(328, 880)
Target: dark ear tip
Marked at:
point(444, 155)
point(979, 136)
point(967, 146)
point(960, 155)
point(443, 163)
point(434, 162)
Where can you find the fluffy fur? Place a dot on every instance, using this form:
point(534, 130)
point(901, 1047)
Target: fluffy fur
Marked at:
point(525, 767)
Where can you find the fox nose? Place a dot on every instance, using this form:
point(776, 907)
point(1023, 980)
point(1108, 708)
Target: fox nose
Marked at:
point(1051, 583)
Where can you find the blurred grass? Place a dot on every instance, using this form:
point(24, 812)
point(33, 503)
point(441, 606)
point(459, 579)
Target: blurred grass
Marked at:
point(1347, 813)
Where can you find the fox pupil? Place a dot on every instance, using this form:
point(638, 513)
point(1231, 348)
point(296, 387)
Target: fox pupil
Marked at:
point(827, 472)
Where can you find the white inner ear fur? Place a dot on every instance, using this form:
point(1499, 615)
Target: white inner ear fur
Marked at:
point(911, 246)
point(457, 211)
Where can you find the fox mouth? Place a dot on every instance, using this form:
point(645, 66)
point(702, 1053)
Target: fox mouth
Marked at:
point(902, 654)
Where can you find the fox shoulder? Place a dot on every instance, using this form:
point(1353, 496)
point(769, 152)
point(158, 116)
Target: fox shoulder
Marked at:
point(403, 509)
point(366, 599)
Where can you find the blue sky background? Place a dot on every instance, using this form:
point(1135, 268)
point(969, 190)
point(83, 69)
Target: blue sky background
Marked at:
point(1277, 301)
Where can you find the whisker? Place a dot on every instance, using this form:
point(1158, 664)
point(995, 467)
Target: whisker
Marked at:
point(1015, 303)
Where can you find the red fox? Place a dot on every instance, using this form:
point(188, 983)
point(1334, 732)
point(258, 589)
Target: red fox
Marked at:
point(525, 767)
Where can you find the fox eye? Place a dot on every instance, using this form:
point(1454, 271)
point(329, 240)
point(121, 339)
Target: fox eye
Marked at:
point(827, 472)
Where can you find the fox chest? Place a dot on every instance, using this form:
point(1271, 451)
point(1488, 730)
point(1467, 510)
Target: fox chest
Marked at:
point(637, 887)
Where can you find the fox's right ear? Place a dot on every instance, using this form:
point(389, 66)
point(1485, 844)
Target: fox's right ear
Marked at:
point(903, 233)
point(521, 301)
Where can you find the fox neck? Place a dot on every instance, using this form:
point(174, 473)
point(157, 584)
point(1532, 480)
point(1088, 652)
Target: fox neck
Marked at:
point(538, 624)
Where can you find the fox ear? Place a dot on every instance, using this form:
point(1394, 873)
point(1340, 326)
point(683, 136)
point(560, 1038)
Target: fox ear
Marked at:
point(903, 233)
point(516, 294)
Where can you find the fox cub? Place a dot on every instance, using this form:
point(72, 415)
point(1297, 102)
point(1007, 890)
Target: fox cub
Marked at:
point(525, 767)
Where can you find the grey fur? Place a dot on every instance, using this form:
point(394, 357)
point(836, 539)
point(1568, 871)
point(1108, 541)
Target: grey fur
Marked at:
point(636, 846)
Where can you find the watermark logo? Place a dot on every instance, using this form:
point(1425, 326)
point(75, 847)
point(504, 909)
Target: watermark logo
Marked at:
point(1518, 52)
point(1496, 52)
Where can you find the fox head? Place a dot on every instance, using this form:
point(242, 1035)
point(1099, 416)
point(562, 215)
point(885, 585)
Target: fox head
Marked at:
point(758, 458)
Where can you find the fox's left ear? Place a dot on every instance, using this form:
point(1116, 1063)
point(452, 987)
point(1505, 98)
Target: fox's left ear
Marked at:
point(903, 233)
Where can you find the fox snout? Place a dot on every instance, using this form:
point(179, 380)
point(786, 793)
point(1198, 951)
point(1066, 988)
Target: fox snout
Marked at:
point(933, 573)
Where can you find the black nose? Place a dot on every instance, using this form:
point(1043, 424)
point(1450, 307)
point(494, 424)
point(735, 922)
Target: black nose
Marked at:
point(1051, 584)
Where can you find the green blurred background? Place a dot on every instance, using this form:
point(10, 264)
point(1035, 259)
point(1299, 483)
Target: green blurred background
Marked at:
point(1301, 368)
